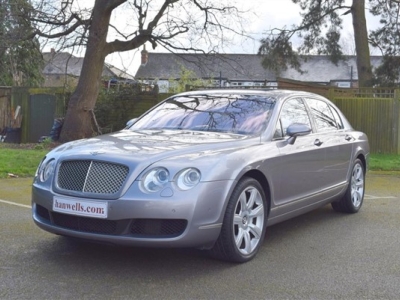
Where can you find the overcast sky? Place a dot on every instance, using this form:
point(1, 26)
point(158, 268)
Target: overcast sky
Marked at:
point(264, 14)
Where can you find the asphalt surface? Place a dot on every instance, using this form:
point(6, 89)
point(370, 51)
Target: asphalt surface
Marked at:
point(320, 255)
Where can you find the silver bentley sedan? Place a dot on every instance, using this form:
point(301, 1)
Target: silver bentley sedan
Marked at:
point(205, 169)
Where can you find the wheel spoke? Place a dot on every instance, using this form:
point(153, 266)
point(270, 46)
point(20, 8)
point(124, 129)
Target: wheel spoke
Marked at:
point(257, 212)
point(253, 195)
point(255, 230)
point(239, 238)
point(359, 183)
point(242, 201)
point(354, 197)
point(247, 242)
point(237, 219)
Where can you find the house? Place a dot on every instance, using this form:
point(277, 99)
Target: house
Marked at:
point(244, 69)
point(64, 69)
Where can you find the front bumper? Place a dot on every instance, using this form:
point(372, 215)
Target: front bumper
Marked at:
point(175, 219)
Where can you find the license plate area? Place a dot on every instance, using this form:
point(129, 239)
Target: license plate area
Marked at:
point(87, 208)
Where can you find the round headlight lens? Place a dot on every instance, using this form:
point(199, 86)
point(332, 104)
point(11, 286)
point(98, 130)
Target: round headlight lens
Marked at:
point(47, 170)
point(155, 179)
point(188, 178)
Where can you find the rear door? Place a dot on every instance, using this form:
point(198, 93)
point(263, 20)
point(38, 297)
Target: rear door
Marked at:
point(334, 140)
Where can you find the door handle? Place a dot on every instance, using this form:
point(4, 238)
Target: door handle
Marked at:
point(317, 142)
point(348, 137)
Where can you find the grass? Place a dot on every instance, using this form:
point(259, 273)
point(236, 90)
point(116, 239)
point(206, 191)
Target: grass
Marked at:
point(20, 162)
point(23, 160)
point(384, 162)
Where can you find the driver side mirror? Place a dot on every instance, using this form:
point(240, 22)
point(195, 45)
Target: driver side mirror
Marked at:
point(295, 130)
point(130, 123)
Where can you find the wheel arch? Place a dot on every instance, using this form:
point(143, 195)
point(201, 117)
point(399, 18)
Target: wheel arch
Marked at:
point(260, 177)
point(363, 159)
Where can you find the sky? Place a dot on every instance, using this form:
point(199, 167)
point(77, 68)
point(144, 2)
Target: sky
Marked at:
point(264, 14)
point(261, 15)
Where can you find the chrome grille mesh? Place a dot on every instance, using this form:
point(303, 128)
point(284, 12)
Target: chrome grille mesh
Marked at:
point(91, 176)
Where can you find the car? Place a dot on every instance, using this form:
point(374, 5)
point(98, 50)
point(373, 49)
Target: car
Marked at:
point(205, 169)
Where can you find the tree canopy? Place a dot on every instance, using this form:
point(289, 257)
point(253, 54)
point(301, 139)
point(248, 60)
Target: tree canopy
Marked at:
point(176, 25)
point(320, 31)
point(387, 39)
point(21, 61)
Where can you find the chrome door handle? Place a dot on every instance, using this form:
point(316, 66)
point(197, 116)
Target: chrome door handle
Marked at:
point(348, 138)
point(317, 142)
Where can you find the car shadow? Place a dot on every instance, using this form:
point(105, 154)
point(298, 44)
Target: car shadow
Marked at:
point(72, 255)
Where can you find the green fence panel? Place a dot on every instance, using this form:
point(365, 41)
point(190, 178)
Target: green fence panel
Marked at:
point(41, 116)
point(377, 116)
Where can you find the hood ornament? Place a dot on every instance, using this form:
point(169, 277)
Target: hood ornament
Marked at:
point(94, 153)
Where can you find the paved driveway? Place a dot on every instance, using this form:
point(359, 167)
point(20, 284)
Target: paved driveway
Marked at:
point(320, 255)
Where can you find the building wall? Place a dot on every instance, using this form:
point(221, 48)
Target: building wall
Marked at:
point(57, 80)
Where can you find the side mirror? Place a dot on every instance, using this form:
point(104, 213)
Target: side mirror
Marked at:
point(130, 123)
point(295, 130)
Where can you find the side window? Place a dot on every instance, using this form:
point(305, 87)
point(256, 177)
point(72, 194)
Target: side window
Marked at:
point(323, 116)
point(338, 119)
point(293, 111)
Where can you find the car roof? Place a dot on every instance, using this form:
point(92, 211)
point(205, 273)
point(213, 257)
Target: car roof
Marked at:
point(276, 93)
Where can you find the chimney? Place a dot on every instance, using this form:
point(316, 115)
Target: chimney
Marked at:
point(145, 56)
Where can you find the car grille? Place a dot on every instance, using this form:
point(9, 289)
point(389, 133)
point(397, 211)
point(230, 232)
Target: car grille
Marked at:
point(90, 176)
point(143, 228)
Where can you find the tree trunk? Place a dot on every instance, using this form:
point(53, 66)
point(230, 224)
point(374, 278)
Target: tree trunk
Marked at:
point(79, 120)
point(361, 42)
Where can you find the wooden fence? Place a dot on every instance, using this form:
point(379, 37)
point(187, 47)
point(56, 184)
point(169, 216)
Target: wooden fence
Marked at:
point(375, 112)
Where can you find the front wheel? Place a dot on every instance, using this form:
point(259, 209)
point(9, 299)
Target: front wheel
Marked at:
point(244, 223)
point(353, 198)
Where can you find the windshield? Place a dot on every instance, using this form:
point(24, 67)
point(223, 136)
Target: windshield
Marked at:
point(241, 114)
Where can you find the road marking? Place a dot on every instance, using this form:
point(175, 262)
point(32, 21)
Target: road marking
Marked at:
point(378, 197)
point(16, 204)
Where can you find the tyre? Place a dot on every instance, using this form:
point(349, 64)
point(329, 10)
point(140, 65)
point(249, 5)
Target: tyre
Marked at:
point(353, 198)
point(245, 219)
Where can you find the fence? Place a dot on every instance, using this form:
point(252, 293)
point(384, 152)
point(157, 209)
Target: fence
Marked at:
point(5, 109)
point(375, 112)
point(40, 106)
point(28, 113)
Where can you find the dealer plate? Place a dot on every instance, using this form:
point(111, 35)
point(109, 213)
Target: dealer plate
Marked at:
point(94, 209)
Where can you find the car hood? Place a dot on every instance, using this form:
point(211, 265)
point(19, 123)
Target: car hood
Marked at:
point(151, 145)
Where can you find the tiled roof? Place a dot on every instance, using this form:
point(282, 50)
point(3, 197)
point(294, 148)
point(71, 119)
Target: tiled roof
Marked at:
point(232, 66)
point(57, 63)
point(241, 67)
point(62, 63)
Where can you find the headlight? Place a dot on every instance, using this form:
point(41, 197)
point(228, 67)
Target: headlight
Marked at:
point(155, 179)
point(188, 178)
point(46, 170)
point(39, 168)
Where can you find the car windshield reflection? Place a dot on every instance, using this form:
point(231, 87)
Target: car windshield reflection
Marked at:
point(239, 114)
